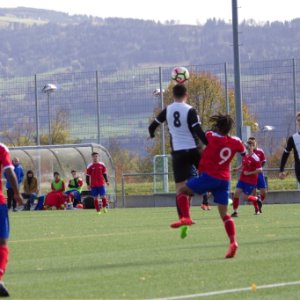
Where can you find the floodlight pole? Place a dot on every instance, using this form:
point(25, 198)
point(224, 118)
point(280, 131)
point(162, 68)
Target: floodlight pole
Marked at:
point(47, 89)
point(237, 71)
point(49, 119)
point(37, 121)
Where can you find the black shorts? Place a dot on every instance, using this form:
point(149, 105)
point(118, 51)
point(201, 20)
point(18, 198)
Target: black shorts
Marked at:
point(184, 163)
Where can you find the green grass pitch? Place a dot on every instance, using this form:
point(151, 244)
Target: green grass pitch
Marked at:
point(133, 254)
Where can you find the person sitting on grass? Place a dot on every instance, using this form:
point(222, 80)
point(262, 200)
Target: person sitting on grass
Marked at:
point(56, 199)
point(74, 191)
point(30, 189)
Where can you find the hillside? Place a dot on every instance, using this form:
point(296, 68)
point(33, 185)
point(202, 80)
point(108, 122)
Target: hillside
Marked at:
point(38, 41)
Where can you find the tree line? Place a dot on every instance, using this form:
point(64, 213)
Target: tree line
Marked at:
point(81, 43)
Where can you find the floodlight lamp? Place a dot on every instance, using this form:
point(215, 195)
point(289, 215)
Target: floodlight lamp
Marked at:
point(49, 88)
point(156, 92)
point(268, 128)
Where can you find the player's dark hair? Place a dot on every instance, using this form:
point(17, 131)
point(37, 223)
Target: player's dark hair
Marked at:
point(179, 91)
point(222, 123)
point(251, 138)
point(56, 173)
point(29, 172)
point(94, 153)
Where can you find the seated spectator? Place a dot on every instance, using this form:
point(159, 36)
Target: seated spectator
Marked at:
point(30, 189)
point(56, 198)
point(74, 191)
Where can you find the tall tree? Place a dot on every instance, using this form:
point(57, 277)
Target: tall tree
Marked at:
point(60, 133)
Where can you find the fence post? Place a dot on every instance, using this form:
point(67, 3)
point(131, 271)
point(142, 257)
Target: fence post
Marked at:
point(294, 90)
point(123, 192)
point(98, 109)
point(37, 122)
point(37, 126)
point(163, 142)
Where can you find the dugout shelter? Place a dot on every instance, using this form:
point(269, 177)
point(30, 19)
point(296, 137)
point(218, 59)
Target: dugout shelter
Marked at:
point(45, 159)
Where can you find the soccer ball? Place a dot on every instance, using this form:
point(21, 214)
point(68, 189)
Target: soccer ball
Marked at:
point(230, 202)
point(180, 74)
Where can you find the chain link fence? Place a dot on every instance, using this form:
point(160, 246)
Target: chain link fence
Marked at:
point(116, 105)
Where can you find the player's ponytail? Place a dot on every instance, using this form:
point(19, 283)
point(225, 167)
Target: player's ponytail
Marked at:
point(222, 123)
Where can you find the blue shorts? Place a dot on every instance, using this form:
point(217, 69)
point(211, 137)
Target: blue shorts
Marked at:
point(205, 183)
point(261, 183)
point(76, 194)
point(4, 222)
point(100, 190)
point(246, 187)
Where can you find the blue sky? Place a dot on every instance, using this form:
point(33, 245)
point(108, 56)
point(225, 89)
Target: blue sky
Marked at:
point(186, 12)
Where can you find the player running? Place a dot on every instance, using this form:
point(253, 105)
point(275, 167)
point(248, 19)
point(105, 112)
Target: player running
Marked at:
point(251, 167)
point(185, 132)
point(215, 176)
point(8, 168)
point(261, 183)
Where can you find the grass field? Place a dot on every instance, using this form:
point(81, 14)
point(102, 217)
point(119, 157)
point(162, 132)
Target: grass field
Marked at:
point(133, 254)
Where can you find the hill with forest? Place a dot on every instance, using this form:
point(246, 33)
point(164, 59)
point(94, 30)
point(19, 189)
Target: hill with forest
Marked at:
point(37, 41)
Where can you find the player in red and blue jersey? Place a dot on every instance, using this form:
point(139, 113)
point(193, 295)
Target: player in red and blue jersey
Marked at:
point(261, 183)
point(8, 168)
point(96, 178)
point(215, 173)
point(250, 168)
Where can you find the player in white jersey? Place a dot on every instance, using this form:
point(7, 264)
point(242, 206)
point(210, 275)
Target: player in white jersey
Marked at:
point(185, 132)
point(293, 142)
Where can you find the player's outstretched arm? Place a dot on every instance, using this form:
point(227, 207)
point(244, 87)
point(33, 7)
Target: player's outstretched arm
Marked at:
point(158, 120)
point(285, 156)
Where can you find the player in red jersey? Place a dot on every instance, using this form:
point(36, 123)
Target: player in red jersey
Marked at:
point(7, 166)
point(96, 177)
point(251, 167)
point(215, 176)
point(261, 183)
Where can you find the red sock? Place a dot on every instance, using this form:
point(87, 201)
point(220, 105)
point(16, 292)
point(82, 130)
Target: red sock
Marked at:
point(236, 203)
point(253, 199)
point(178, 210)
point(229, 227)
point(104, 201)
point(262, 197)
point(96, 204)
point(3, 260)
point(183, 206)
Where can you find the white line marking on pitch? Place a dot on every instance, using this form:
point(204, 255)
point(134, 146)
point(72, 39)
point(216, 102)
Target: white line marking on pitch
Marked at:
point(246, 289)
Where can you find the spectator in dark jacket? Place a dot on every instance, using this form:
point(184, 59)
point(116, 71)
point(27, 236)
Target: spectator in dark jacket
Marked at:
point(30, 189)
